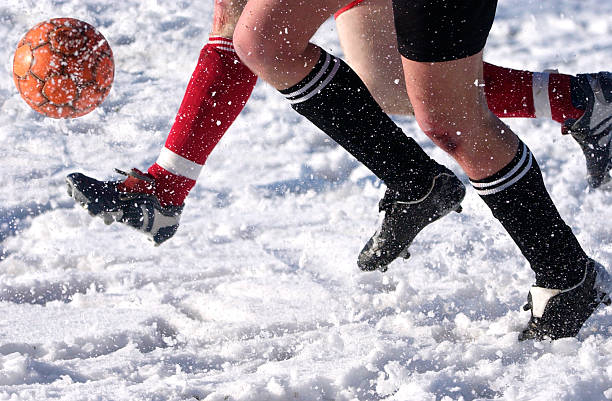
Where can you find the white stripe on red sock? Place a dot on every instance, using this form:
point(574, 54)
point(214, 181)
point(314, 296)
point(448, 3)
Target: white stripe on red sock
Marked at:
point(221, 43)
point(541, 100)
point(178, 165)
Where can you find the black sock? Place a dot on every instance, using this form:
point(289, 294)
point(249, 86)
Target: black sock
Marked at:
point(333, 97)
point(518, 199)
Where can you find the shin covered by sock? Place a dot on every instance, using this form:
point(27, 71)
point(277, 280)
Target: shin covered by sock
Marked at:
point(509, 92)
point(215, 95)
point(518, 199)
point(335, 99)
point(517, 93)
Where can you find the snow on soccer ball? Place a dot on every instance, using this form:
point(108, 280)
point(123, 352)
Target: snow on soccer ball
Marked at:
point(63, 68)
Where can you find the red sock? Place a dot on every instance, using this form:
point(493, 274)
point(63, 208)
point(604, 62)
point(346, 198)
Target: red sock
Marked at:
point(509, 92)
point(560, 97)
point(516, 93)
point(217, 92)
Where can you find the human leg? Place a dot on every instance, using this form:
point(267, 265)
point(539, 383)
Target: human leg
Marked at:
point(441, 80)
point(367, 36)
point(217, 92)
point(272, 37)
point(368, 40)
point(333, 97)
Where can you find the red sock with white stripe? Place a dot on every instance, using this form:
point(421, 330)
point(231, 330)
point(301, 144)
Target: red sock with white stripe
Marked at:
point(516, 93)
point(217, 92)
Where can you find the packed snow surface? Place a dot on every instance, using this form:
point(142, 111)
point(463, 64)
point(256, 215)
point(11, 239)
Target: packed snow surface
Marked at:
point(258, 296)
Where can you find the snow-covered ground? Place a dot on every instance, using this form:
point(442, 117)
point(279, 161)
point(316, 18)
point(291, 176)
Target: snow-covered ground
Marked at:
point(258, 296)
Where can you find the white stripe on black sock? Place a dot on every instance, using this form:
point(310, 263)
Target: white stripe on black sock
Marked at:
point(516, 173)
point(317, 83)
point(313, 81)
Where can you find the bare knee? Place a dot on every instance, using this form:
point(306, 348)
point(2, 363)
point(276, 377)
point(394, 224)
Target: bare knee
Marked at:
point(446, 140)
point(481, 144)
point(277, 60)
point(225, 17)
point(446, 134)
point(252, 49)
point(455, 123)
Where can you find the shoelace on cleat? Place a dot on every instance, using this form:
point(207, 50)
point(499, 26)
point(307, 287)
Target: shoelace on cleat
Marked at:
point(136, 174)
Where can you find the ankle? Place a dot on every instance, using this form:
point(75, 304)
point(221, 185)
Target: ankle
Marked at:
point(566, 98)
point(170, 189)
point(137, 181)
point(563, 278)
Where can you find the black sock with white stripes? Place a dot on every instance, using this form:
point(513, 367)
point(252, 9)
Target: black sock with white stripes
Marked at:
point(518, 199)
point(333, 97)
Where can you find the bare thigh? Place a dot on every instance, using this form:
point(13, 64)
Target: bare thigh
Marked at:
point(367, 36)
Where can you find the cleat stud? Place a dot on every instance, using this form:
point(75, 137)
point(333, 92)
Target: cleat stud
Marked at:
point(404, 253)
point(107, 218)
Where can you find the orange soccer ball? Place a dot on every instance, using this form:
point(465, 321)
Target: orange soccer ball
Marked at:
point(63, 68)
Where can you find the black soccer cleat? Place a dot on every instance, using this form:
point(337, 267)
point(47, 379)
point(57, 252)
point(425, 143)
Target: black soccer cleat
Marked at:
point(131, 204)
point(404, 219)
point(593, 131)
point(561, 313)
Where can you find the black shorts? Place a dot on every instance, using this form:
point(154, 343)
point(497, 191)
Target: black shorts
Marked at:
point(442, 30)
